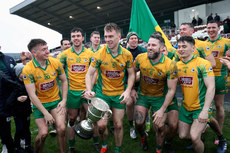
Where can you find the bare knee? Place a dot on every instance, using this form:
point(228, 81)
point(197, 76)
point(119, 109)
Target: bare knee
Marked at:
point(61, 129)
point(173, 126)
point(195, 137)
point(71, 122)
point(118, 125)
point(42, 135)
point(101, 127)
point(129, 104)
point(183, 135)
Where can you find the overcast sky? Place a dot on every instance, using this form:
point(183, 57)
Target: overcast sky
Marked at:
point(16, 32)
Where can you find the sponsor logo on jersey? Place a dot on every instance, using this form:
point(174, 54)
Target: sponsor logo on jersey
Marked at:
point(207, 48)
point(54, 73)
point(105, 63)
point(186, 80)
point(122, 65)
point(160, 73)
point(85, 60)
point(113, 74)
point(70, 59)
point(219, 46)
point(216, 53)
point(78, 68)
point(46, 86)
point(150, 80)
point(39, 77)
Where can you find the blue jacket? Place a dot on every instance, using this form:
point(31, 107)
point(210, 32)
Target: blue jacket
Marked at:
point(6, 83)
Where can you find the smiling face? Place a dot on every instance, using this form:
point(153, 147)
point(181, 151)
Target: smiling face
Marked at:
point(77, 39)
point(186, 30)
point(154, 48)
point(185, 50)
point(112, 39)
point(213, 30)
point(41, 52)
point(95, 39)
point(65, 44)
point(133, 42)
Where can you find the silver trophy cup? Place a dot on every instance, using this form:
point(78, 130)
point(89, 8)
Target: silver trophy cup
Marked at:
point(98, 109)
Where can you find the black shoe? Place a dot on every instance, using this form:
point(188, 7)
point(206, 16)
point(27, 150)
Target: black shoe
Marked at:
point(20, 150)
point(53, 132)
point(29, 150)
point(169, 148)
point(71, 150)
point(97, 147)
point(144, 143)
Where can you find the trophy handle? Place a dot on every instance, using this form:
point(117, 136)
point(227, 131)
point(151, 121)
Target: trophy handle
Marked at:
point(109, 112)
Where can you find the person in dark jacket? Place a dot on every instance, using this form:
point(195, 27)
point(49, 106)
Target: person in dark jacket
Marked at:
point(21, 112)
point(217, 18)
point(209, 18)
point(7, 64)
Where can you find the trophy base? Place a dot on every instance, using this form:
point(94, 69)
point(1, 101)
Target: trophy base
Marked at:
point(81, 134)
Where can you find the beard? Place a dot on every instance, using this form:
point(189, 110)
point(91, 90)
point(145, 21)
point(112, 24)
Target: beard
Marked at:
point(154, 56)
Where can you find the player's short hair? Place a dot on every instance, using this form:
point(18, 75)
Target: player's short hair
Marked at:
point(76, 29)
point(187, 39)
point(161, 39)
point(189, 24)
point(94, 32)
point(157, 33)
point(112, 26)
point(214, 21)
point(34, 42)
point(63, 40)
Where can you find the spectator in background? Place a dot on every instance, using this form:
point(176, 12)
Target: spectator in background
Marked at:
point(7, 64)
point(65, 44)
point(25, 57)
point(21, 112)
point(217, 18)
point(199, 20)
point(226, 24)
point(194, 21)
point(209, 18)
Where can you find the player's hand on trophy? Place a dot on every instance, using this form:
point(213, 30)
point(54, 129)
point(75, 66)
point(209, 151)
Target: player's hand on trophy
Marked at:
point(88, 94)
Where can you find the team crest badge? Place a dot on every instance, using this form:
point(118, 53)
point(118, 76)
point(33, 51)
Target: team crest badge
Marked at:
point(207, 48)
point(24, 76)
point(122, 65)
point(54, 73)
point(219, 46)
point(210, 68)
point(93, 59)
point(193, 70)
point(85, 60)
point(160, 73)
